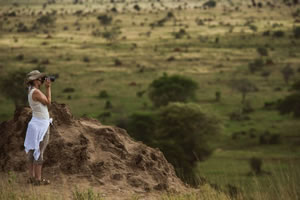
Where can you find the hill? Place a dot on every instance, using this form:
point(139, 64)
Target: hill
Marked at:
point(86, 152)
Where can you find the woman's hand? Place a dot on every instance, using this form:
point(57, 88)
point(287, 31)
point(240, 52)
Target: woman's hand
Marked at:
point(47, 83)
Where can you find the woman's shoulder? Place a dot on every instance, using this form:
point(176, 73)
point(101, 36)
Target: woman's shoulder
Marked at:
point(36, 93)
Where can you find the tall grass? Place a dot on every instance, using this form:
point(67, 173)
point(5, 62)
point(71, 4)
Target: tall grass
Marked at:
point(280, 184)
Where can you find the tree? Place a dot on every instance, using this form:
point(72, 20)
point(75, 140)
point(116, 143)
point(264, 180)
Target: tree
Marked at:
point(46, 20)
point(111, 34)
point(174, 88)
point(297, 32)
point(105, 19)
point(141, 126)
point(13, 87)
point(244, 86)
point(182, 134)
point(262, 51)
point(210, 4)
point(256, 65)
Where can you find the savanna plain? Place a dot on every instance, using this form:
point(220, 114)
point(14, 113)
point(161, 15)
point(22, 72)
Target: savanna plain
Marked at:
point(105, 54)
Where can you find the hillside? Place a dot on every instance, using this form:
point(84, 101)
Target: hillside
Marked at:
point(85, 152)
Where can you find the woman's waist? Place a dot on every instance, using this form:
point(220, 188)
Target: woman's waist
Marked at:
point(40, 116)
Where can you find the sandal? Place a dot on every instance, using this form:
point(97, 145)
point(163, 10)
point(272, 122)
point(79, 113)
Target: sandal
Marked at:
point(41, 182)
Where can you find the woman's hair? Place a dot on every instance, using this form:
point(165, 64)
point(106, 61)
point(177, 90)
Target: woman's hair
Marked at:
point(30, 83)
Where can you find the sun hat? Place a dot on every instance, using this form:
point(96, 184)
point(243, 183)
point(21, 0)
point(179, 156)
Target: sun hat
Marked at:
point(33, 75)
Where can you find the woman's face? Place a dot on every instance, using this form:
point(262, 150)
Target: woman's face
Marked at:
point(38, 82)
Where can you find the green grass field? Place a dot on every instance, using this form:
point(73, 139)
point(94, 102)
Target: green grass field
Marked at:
point(213, 52)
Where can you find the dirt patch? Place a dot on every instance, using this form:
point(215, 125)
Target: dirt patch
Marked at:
point(85, 149)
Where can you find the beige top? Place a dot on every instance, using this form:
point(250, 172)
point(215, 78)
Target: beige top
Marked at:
point(39, 110)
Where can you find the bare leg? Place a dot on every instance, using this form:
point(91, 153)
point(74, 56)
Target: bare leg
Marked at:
point(38, 171)
point(31, 170)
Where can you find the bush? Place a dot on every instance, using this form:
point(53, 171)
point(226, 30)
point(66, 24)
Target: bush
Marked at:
point(210, 4)
point(68, 90)
point(278, 34)
point(262, 51)
point(108, 105)
point(218, 96)
point(297, 32)
point(247, 107)
point(86, 59)
point(111, 34)
point(141, 126)
point(296, 86)
point(182, 133)
point(287, 72)
point(256, 65)
point(256, 164)
point(291, 104)
point(137, 7)
point(105, 19)
point(46, 20)
point(118, 62)
point(12, 86)
point(103, 94)
point(174, 88)
point(275, 139)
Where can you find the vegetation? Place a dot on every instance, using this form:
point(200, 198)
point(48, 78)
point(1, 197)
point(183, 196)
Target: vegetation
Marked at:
point(173, 88)
point(215, 45)
point(291, 104)
point(182, 133)
point(13, 87)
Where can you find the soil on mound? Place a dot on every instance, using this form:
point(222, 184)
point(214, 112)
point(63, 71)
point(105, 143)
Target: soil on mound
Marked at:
point(86, 149)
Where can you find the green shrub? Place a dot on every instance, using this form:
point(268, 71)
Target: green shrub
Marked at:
point(174, 88)
point(12, 86)
point(210, 4)
point(141, 126)
point(278, 34)
point(46, 20)
point(182, 133)
point(68, 90)
point(253, 27)
point(262, 51)
point(296, 86)
point(218, 96)
point(287, 72)
point(291, 104)
point(256, 164)
point(137, 7)
point(297, 32)
point(105, 19)
point(103, 94)
point(108, 104)
point(256, 65)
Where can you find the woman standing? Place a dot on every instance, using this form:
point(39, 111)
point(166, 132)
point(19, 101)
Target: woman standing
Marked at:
point(37, 135)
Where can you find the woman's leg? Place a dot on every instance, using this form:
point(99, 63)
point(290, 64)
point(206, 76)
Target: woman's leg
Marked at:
point(38, 165)
point(38, 171)
point(31, 171)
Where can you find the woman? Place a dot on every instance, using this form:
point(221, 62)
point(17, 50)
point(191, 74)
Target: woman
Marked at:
point(37, 135)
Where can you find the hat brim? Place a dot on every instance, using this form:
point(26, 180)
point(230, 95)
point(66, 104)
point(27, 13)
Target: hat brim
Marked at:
point(36, 76)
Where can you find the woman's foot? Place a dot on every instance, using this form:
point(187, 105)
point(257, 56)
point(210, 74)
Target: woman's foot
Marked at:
point(41, 182)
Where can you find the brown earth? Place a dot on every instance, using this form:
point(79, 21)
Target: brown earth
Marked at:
point(85, 152)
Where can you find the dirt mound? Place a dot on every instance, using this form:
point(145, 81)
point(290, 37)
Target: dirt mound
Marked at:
point(86, 149)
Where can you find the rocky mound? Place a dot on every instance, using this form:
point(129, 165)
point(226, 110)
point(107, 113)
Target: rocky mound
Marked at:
point(86, 149)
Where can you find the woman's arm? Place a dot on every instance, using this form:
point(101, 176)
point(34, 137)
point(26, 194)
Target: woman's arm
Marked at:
point(39, 96)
